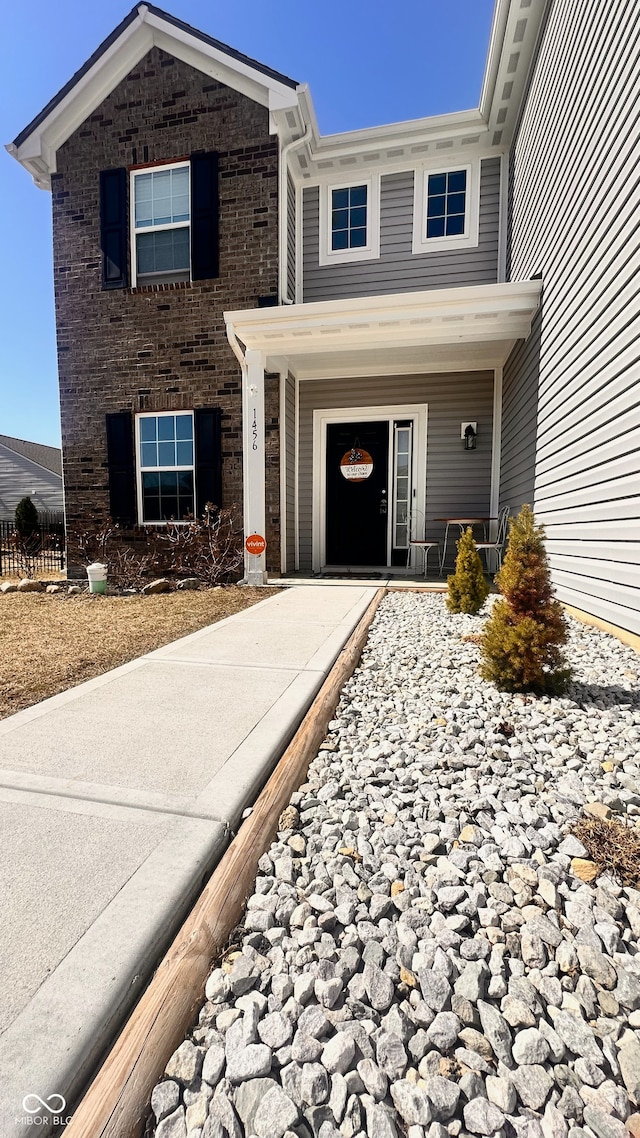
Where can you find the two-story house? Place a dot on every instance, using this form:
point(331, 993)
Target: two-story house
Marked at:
point(355, 335)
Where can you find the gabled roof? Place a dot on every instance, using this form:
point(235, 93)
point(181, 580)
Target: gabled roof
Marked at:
point(145, 27)
point(48, 457)
point(514, 35)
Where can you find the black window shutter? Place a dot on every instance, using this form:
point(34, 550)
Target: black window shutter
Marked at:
point(113, 228)
point(204, 216)
point(208, 438)
point(122, 498)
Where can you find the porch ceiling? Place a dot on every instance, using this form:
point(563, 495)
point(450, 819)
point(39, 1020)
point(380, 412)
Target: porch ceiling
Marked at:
point(432, 330)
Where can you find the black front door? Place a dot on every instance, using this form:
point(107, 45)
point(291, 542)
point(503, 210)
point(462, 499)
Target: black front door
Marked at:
point(357, 493)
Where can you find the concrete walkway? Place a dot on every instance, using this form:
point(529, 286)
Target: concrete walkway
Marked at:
point(117, 798)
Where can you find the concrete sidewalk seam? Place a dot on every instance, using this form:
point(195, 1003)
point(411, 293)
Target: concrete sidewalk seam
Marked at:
point(98, 807)
point(225, 664)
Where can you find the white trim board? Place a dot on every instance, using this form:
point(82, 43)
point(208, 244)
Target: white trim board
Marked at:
point(496, 449)
point(469, 238)
point(321, 417)
point(368, 252)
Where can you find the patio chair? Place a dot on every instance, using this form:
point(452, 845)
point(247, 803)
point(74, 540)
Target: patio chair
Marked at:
point(498, 545)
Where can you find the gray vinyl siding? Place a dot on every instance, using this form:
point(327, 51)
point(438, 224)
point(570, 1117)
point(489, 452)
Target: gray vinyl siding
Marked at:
point(458, 481)
point(519, 421)
point(575, 215)
point(20, 478)
point(398, 269)
point(291, 238)
point(290, 471)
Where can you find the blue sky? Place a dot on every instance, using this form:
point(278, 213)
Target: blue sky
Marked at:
point(402, 61)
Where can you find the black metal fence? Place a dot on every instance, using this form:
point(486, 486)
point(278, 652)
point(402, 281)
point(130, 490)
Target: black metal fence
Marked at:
point(35, 554)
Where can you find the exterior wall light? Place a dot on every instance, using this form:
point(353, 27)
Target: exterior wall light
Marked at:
point(469, 434)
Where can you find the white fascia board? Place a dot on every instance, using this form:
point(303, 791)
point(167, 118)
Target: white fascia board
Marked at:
point(38, 151)
point(477, 314)
point(308, 113)
point(445, 126)
point(434, 128)
point(511, 55)
point(211, 61)
point(86, 95)
point(496, 45)
point(433, 303)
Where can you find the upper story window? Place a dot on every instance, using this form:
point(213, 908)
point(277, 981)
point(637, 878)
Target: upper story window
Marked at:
point(349, 221)
point(445, 210)
point(446, 202)
point(349, 217)
point(166, 465)
point(161, 224)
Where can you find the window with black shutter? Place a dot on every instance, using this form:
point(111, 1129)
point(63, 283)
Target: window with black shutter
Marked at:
point(122, 497)
point(208, 457)
point(113, 228)
point(204, 216)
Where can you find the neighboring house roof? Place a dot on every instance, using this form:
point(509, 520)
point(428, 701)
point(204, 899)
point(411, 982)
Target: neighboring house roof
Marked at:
point(48, 457)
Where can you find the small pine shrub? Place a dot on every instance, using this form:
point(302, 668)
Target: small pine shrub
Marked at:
point(522, 644)
point(26, 517)
point(468, 589)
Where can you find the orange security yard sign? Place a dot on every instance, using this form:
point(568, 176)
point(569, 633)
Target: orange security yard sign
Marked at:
point(255, 544)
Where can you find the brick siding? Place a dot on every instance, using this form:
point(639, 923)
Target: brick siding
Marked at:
point(162, 347)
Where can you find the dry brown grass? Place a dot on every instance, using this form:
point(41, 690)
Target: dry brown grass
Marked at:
point(50, 643)
point(614, 847)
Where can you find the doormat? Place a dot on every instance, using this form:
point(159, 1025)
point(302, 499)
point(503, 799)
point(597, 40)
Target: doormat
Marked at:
point(347, 573)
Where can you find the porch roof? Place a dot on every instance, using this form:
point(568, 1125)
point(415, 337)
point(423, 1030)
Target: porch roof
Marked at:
point(432, 330)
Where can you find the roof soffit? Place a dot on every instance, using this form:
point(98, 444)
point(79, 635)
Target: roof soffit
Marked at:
point(514, 35)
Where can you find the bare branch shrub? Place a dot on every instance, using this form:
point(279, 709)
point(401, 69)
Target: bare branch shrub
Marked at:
point(26, 549)
point(209, 548)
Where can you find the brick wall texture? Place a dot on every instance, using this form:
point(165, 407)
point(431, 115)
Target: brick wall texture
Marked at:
point(162, 347)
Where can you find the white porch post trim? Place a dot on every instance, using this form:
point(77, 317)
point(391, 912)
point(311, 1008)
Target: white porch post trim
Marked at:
point(496, 448)
point(284, 473)
point(254, 460)
point(296, 459)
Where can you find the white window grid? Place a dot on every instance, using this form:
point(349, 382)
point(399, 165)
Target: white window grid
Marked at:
point(159, 469)
point(135, 230)
point(402, 484)
point(367, 252)
point(469, 238)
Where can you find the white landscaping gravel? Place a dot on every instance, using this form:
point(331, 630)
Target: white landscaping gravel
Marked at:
point(417, 957)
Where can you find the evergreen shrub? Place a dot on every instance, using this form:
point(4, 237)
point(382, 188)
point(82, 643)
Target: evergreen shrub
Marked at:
point(521, 648)
point(468, 589)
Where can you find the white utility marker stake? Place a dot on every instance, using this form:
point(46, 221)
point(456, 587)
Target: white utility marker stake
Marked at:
point(254, 461)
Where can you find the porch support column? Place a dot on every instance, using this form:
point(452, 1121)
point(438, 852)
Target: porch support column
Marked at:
point(496, 451)
point(254, 461)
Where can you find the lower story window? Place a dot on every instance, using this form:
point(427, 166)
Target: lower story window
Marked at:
point(165, 466)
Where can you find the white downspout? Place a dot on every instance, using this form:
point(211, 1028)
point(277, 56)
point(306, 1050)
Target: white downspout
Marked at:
point(283, 213)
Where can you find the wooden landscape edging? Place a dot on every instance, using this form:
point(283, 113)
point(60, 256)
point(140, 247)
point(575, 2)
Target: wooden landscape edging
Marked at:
point(631, 639)
point(117, 1100)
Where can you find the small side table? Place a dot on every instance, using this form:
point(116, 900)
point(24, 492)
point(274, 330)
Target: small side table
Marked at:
point(425, 546)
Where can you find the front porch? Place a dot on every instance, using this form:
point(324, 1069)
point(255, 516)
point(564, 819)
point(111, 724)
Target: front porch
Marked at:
point(375, 396)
